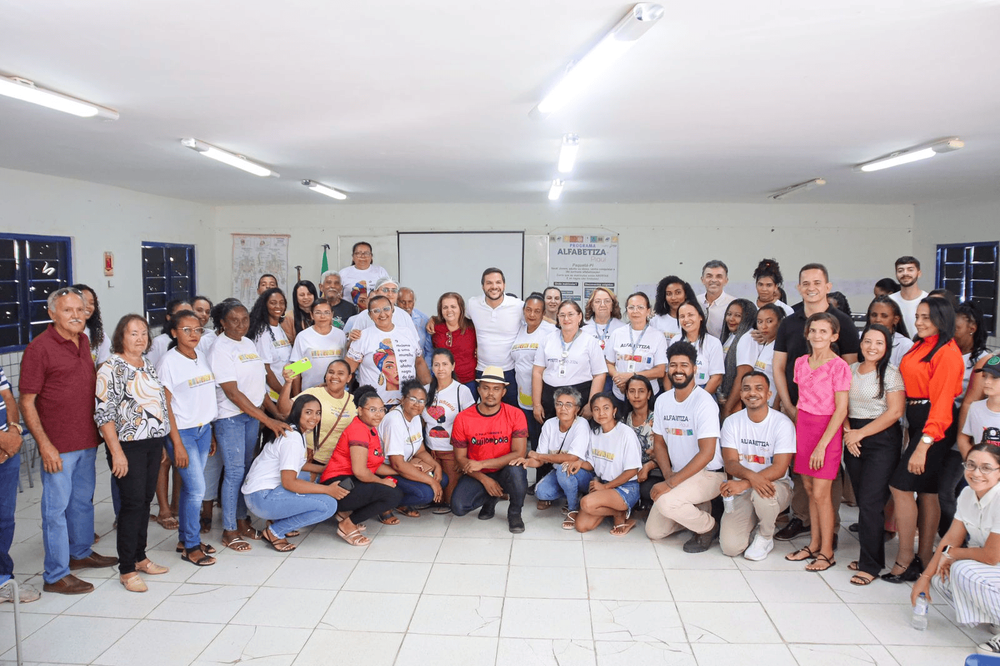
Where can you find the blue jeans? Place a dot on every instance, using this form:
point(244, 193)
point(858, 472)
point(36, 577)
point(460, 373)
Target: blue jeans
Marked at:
point(8, 502)
point(237, 439)
point(197, 442)
point(558, 483)
point(68, 512)
point(290, 511)
point(416, 493)
point(213, 475)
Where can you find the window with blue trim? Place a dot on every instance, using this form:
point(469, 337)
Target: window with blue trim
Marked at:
point(31, 267)
point(969, 270)
point(167, 273)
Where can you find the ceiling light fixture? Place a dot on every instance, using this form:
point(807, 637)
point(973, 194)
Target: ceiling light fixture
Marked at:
point(555, 191)
point(27, 91)
point(232, 159)
point(567, 152)
point(581, 73)
point(921, 152)
point(801, 187)
point(323, 189)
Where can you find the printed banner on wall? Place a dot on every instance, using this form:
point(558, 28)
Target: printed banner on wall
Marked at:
point(254, 255)
point(578, 264)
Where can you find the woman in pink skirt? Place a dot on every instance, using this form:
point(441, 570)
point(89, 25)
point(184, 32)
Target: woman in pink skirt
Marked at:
point(824, 380)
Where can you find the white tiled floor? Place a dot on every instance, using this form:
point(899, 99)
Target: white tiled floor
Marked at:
point(441, 590)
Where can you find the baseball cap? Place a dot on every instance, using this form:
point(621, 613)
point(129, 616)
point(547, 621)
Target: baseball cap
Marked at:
point(992, 366)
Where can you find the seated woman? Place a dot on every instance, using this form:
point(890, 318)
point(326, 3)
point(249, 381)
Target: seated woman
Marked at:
point(338, 410)
point(274, 491)
point(968, 577)
point(419, 475)
point(638, 415)
point(612, 461)
point(446, 397)
point(358, 463)
point(563, 440)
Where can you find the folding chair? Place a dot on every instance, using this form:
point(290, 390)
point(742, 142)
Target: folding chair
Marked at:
point(17, 616)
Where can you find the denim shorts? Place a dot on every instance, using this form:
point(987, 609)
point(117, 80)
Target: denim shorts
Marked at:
point(629, 492)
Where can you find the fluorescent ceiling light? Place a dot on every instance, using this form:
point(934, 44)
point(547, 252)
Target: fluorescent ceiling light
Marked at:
point(582, 73)
point(567, 152)
point(556, 190)
point(26, 91)
point(232, 159)
point(914, 154)
point(323, 189)
point(801, 187)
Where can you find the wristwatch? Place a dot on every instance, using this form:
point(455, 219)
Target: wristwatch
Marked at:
point(926, 439)
point(946, 552)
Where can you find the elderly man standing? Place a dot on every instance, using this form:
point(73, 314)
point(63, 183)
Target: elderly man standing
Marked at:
point(57, 401)
point(408, 301)
point(333, 292)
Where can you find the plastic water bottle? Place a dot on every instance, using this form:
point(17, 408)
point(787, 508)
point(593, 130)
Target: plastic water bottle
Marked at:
point(728, 503)
point(919, 620)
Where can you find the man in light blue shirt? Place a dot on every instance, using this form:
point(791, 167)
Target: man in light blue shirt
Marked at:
point(406, 301)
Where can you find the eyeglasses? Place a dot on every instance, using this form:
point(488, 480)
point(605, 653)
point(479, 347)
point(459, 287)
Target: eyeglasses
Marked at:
point(187, 330)
point(362, 254)
point(375, 410)
point(636, 308)
point(983, 469)
point(565, 405)
point(376, 311)
point(602, 301)
point(321, 313)
point(388, 290)
point(416, 401)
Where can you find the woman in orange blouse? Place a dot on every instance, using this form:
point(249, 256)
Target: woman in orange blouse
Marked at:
point(932, 373)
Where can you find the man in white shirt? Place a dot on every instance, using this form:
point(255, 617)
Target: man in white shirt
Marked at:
point(757, 447)
point(686, 449)
point(714, 300)
point(909, 297)
point(390, 289)
point(497, 318)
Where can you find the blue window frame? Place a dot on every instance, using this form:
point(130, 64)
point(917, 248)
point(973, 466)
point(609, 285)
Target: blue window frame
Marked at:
point(31, 267)
point(969, 270)
point(167, 273)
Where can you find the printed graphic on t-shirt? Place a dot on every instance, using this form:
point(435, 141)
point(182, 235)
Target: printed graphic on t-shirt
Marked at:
point(437, 412)
point(384, 359)
point(359, 289)
point(198, 381)
point(991, 435)
point(248, 357)
point(605, 455)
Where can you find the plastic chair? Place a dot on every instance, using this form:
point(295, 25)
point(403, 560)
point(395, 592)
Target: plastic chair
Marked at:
point(17, 616)
point(982, 660)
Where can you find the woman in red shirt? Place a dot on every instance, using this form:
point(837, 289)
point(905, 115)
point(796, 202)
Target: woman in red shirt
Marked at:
point(358, 463)
point(454, 331)
point(932, 374)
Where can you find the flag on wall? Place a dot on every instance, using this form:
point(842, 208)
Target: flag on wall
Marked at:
point(326, 265)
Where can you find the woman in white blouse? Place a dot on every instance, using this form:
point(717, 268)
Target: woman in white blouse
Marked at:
point(969, 578)
point(134, 418)
point(446, 397)
point(321, 343)
point(603, 315)
point(636, 349)
point(874, 441)
point(531, 336)
point(694, 329)
point(402, 433)
point(272, 333)
point(568, 357)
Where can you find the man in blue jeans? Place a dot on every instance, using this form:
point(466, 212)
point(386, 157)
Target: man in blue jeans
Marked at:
point(57, 386)
point(10, 466)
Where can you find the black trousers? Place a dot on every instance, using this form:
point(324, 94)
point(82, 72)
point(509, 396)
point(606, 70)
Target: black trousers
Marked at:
point(952, 480)
point(367, 500)
point(137, 489)
point(471, 494)
point(870, 474)
point(646, 487)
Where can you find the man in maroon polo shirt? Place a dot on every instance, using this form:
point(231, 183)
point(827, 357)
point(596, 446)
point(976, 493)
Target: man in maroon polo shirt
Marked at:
point(57, 387)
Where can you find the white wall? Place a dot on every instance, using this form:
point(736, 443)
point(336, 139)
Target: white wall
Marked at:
point(101, 218)
point(960, 221)
point(857, 243)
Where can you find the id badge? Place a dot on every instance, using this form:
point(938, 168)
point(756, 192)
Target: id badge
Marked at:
point(701, 377)
point(630, 367)
point(562, 370)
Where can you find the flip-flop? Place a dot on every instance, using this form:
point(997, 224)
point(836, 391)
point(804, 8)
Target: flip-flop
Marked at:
point(355, 538)
point(809, 555)
point(815, 563)
point(169, 523)
point(623, 529)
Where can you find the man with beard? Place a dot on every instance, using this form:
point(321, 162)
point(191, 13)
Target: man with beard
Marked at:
point(333, 291)
point(686, 449)
point(910, 294)
point(57, 400)
point(487, 437)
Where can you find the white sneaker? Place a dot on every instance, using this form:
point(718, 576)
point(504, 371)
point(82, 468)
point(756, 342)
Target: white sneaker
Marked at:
point(26, 593)
point(992, 646)
point(759, 549)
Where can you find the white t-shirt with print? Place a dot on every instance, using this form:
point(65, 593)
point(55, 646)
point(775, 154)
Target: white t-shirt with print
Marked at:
point(357, 282)
point(584, 359)
point(237, 361)
point(363, 320)
point(192, 388)
point(285, 452)
point(611, 453)
point(275, 351)
point(668, 325)
point(710, 359)
point(758, 443)
point(523, 351)
point(574, 441)
point(440, 415)
point(376, 349)
point(682, 424)
point(982, 423)
point(758, 357)
point(399, 436)
point(635, 351)
point(320, 349)
point(602, 333)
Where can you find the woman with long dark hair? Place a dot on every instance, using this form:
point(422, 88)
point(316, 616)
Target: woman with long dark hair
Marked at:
point(740, 318)
point(418, 475)
point(885, 311)
point(446, 397)
point(711, 362)
point(269, 336)
point(671, 293)
point(756, 352)
point(932, 374)
point(100, 343)
point(873, 438)
point(304, 296)
point(637, 413)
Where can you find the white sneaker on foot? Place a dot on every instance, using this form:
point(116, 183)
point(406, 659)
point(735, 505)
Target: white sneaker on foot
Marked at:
point(758, 549)
point(26, 593)
point(992, 646)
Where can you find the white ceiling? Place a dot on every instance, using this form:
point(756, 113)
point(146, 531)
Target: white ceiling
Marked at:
point(428, 101)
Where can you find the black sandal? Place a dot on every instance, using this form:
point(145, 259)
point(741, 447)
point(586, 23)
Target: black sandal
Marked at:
point(205, 560)
point(809, 555)
point(860, 580)
point(820, 556)
point(388, 518)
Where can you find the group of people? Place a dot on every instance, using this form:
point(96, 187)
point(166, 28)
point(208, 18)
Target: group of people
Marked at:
point(708, 413)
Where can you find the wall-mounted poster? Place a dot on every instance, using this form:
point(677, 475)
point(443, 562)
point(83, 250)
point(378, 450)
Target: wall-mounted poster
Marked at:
point(579, 263)
point(254, 255)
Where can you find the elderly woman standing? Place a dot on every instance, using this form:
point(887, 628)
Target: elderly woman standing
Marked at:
point(134, 418)
point(603, 315)
point(567, 357)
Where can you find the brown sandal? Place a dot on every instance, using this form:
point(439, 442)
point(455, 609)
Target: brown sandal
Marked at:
point(355, 538)
point(388, 519)
point(407, 511)
point(280, 545)
point(236, 542)
point(543, 505)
